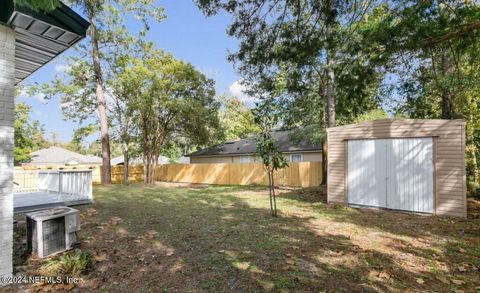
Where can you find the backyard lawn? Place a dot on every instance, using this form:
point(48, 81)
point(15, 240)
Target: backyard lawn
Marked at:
point(180, 238)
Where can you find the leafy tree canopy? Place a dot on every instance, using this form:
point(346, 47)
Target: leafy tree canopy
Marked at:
point(236, 119)
point(29, 134)
point(170, 100)
point(39, 5)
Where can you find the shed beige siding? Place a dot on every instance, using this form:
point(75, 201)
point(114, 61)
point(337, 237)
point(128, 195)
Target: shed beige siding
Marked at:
point(449, 157)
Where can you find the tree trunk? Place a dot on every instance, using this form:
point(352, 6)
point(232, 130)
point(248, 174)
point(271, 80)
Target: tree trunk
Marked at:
point(145, 168)
point(126, 166)
point(330, 71)
point(148, 169)
point(474, 165)
point(150, 164)
point(447, 101)
point(152, 170)
point(330, 90)
point(472, 149)
point(274, 198)
point(102, 112)
point(270, 190)
point(324, 162)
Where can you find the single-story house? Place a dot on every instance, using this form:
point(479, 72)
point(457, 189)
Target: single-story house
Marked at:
point(415, 165)
point(57, 156)
point(118, 161)
point(245, 150)
point(28, 40)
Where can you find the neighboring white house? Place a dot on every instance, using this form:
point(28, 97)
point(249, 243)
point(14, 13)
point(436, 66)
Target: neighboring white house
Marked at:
point(55, 156)
point(138, 161)
point(118, 161)
point(28, 40)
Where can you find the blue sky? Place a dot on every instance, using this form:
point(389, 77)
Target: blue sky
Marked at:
point(186, 33)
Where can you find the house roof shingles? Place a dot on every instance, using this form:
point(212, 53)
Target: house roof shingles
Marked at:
point(247, 146)
point(60, 156)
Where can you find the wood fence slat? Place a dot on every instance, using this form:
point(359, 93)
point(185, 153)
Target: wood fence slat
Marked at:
point(302, 174)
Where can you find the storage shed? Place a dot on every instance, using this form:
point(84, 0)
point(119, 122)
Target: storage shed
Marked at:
point(400, 164)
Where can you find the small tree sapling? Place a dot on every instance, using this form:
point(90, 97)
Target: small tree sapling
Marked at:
point(266, 116)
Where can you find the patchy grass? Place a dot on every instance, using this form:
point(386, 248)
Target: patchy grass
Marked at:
point(184, 238)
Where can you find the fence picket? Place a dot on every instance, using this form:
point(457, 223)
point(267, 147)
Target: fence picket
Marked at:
point(303, 174)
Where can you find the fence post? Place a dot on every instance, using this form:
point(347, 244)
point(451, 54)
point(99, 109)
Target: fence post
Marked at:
point(89, 186)
point(60, 178)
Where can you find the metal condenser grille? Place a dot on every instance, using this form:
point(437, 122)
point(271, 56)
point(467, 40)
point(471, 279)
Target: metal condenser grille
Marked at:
point(53, 235)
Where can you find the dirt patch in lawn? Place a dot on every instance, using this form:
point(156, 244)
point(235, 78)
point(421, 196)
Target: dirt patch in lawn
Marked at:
point(222, 239)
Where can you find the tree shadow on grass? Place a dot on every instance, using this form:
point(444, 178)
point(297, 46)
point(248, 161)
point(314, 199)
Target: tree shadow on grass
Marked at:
point(452, 264)
point(448, 247)
point(306, 195)
point(402, 223)
point(210, 240)
point(221, 243)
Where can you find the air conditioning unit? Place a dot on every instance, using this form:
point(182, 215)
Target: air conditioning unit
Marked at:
point(52, 231)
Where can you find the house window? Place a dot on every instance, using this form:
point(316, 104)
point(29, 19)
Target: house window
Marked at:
point(245, 159)
point(296, 158)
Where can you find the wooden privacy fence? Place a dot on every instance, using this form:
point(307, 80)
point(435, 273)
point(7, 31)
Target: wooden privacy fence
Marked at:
point(135, 174)
point(304, 174)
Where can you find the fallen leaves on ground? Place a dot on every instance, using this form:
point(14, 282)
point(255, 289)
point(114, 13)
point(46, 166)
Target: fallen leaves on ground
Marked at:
point(458, 282)
point(420, 280)
point(115, 220)
point(223, 239)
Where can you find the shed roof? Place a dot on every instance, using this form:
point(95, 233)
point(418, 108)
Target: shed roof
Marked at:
point(399, 121)
point(247, 146)
point(60, 156)
point(40, 37)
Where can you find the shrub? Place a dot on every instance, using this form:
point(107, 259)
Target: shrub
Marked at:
point(72, 263)
point(473, 189)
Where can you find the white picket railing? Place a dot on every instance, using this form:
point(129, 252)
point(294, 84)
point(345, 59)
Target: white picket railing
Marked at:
point(25, 181)
point(71, 182)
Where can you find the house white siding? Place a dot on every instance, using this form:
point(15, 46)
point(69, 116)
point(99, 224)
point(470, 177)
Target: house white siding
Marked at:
point(7, 89)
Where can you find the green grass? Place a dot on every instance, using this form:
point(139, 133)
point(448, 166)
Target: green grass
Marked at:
point(223, 239)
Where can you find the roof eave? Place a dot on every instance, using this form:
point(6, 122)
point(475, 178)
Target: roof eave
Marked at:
point(40, 37)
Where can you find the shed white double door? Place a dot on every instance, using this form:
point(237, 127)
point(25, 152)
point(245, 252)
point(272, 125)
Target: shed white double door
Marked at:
point(391, 173)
